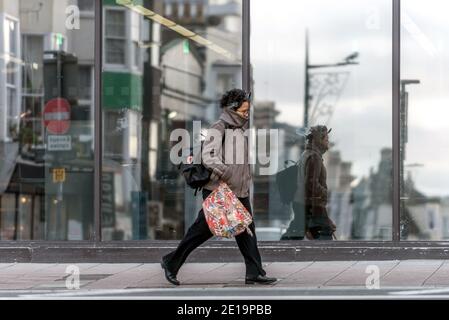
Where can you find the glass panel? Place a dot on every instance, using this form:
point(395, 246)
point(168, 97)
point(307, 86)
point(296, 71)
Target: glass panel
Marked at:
point(115, 23)
point(424, 143)
point(11, 71)
point(10, 33)
point(46, 132)
point(115, 32)
point(33, 51)
point(85, 82)
point(165, 83)
point(86, 5)
point(115, 51)
point(137, 53)
point(11, 96)
point(347, 56)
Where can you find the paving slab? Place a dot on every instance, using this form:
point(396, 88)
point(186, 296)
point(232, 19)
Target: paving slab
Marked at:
point(23, 268)
point(5, 265)
point(439, 278)
point(358, 274)
point(411, 273)
point(127, 278)
point(316, 274)
point(63, 268)
point(109, 268)
point(283, 270)
point(198, 269)
point(218, 276)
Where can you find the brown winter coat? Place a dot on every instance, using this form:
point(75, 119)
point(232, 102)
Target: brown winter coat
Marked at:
point(227, 157)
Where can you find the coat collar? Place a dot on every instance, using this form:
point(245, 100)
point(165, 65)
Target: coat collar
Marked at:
point(315, 149)
point(233, 119)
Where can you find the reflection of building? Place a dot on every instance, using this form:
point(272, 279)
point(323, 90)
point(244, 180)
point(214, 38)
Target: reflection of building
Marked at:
point(372, 206)
point(264, 117)
point(10, 75)
point(10, 86)
point(219, 22)
point(339, 181)
point(192, 80)
point(37, 207)
point(363, 211)
point(155, 81)
point(123, 71)
point(282, 151)
point(423, 217)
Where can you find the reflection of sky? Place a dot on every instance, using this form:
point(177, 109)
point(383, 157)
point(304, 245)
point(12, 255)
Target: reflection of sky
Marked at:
point(425, 57)
point(362, 116)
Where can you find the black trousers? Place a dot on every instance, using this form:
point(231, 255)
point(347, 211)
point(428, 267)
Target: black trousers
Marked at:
point(305, 221)
point(199, 233)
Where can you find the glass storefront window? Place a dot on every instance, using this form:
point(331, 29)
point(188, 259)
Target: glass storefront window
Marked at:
point(166, 63)
point(86, 5)
point(424, 99)
point(338, 55)
point(46, 123)
point(175, 63)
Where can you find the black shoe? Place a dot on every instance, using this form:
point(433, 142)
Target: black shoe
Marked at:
point(260, 280)
point(169, 275)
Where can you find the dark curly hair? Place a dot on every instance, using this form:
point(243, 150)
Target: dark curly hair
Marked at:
point(317, 132)
point(234, 96)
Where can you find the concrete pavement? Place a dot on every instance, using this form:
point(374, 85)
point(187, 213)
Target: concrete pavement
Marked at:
point(296, 279)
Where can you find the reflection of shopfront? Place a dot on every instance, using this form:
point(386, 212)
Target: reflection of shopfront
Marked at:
point(130, 214)
point(30, 208)
point(71, 219)
point(22, 204)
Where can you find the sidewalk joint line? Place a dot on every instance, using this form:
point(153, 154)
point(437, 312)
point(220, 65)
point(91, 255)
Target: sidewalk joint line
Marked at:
point(439, 267)
point(297, 271)
point(336, 276)
point(389, 271)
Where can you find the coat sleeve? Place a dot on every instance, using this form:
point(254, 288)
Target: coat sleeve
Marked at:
point(313, 189)
point(212, 154)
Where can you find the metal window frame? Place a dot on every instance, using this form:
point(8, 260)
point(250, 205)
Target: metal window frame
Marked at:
point(396, 126)
point(98, 121)
point(246, 45)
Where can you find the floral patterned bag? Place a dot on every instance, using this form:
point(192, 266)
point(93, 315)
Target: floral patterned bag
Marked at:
point(226, 216)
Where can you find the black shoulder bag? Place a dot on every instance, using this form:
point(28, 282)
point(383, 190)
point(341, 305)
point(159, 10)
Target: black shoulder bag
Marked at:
point(196, 175)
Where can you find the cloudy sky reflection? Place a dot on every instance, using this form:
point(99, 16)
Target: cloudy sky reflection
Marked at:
point(362, 117)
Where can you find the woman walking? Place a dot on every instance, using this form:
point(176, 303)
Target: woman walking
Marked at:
point(234, 119)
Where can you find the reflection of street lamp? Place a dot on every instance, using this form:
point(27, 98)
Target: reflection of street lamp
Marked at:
point(349, 60)
point(404, 126)
point(414, 165)
point(404, 108)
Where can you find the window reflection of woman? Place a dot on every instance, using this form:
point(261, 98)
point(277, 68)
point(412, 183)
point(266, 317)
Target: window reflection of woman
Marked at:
point(310, 201)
